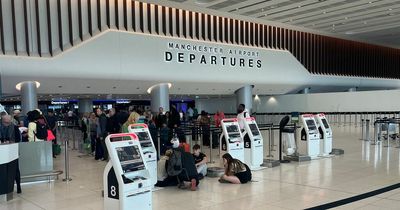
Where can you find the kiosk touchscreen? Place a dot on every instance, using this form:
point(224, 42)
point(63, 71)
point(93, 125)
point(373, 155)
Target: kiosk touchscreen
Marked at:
point(231, 139)
point(253, 144)
point(127, 183)
point(148, 148)
point(309, 141)
point(325, 132)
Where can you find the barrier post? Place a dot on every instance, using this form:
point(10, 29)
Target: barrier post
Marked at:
point(367, 130)
point(269, 142)
point(66, 161)
point(362, 129)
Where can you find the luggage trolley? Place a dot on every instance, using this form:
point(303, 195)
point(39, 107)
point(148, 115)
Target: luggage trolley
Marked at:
point(148, 148)
point(127, 183)
point(253, 144)
point(231, 140)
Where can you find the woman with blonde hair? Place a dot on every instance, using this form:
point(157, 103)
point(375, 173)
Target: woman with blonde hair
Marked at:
point(132, 119)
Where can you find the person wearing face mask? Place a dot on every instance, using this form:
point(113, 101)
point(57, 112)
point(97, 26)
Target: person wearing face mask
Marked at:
point(182, 165)
point(243, 113)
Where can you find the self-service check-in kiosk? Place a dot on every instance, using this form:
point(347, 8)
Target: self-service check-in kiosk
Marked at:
point(325, 132)
point(231, 139)
point(253, 144)
point(309, 137)
point(148, 148)
point(127, 182)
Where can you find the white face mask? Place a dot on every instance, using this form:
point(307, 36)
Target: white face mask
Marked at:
point(175, 143)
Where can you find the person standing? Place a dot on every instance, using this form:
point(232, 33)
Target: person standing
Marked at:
point(51, 123)
point(189, 114)
point(160, 118)
point(9, 133)
point(93, 124)
point(102, 132)
point(17, 119)
point(219, 115)
point(243, 113)
point(112, 122)
point(204, 122)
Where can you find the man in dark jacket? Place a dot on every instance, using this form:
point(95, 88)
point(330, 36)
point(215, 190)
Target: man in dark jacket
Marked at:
point(9, 133)
point(112, 123)
point(174, 118)
point(160, 118)
point(103, 132)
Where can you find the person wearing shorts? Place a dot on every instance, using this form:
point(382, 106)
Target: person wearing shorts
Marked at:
point(236, 172)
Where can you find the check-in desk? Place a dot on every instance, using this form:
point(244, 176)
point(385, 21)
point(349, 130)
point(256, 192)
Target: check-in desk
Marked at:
point(8, 168)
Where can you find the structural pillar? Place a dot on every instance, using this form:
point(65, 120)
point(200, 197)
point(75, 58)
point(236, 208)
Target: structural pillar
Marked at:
point(159, 97)
point(244, 96)
point(85, 105)
point(29, 100)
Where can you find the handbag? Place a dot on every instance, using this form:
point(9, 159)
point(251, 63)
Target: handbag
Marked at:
point(50, 135)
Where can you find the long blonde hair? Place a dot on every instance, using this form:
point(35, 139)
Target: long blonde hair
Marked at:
point(133, 117)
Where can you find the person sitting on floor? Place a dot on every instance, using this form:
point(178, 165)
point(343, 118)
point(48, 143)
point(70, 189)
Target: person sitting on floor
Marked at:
point(236, 172)
point(200, 160)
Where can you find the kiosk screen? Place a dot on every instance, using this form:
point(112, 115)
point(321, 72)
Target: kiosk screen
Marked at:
point(325, 123)
point(254, 129)
point(233, 132)
point(311, 125)
point(144, 139)
point(130, 158)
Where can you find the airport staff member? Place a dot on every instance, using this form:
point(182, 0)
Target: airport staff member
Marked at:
point(243, 113)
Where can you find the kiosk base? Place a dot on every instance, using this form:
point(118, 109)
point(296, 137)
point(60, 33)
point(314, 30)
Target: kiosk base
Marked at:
point(336, 151)
point(215, 172)
point(269, 163)
point(297, 158)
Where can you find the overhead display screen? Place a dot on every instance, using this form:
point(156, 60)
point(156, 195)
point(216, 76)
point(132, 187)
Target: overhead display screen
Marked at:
point(254, 129)
point(325, 123)
point(130, 158)
point(144, 139)
point(311, 125)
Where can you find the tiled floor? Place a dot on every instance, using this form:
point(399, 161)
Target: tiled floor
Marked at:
point(291, 186)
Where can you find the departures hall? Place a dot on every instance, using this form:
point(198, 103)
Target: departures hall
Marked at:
point(199, 104)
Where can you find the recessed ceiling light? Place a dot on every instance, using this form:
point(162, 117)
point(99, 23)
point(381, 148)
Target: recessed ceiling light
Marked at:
point(390, 9)
point(60, 86)
point(114, 87)
point(299, 6)
point(87, 86)
point(346, 18)
point(365, 22)
point(324, 12)
point(370, 2)
point(137, 88)
point(262, 10)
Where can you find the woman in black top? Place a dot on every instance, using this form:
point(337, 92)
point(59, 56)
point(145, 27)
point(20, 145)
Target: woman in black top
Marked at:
point(236, 172)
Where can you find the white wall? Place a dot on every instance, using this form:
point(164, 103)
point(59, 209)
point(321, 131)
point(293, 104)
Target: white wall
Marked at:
point(387, 100)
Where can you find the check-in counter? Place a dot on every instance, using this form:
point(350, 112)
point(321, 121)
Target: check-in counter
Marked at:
point(8, 169)
point(35, 158)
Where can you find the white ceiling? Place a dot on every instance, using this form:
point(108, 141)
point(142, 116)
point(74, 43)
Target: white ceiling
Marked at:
point(373, 21)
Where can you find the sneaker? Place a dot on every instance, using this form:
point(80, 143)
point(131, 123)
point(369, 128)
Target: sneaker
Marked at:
point(193, 186)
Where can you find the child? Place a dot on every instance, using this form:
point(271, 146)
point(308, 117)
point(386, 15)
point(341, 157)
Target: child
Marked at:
point(200, 160)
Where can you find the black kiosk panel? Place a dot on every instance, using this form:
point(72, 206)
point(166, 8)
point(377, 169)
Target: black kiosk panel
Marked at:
point(130, 158)
point(326, 125)
point(254, 129)
point(144, 139)
point(311, 125)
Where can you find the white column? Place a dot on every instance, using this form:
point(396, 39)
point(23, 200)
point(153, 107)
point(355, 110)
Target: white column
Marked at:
point(29, 100)
point(159, 97)
point(244, 95)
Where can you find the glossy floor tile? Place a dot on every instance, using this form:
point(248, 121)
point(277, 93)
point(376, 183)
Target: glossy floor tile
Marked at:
point(362, 168)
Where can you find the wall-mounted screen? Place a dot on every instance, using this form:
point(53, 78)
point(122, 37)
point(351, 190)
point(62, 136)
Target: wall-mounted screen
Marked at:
point(130, 158)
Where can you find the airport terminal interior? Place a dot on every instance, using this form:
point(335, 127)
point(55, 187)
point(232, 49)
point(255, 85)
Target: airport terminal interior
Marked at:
point(199, 104)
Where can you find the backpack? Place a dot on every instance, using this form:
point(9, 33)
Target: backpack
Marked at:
point(174, 164)
point(41, 129)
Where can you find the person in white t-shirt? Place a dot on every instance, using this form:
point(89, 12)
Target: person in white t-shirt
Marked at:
point(243, 113)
